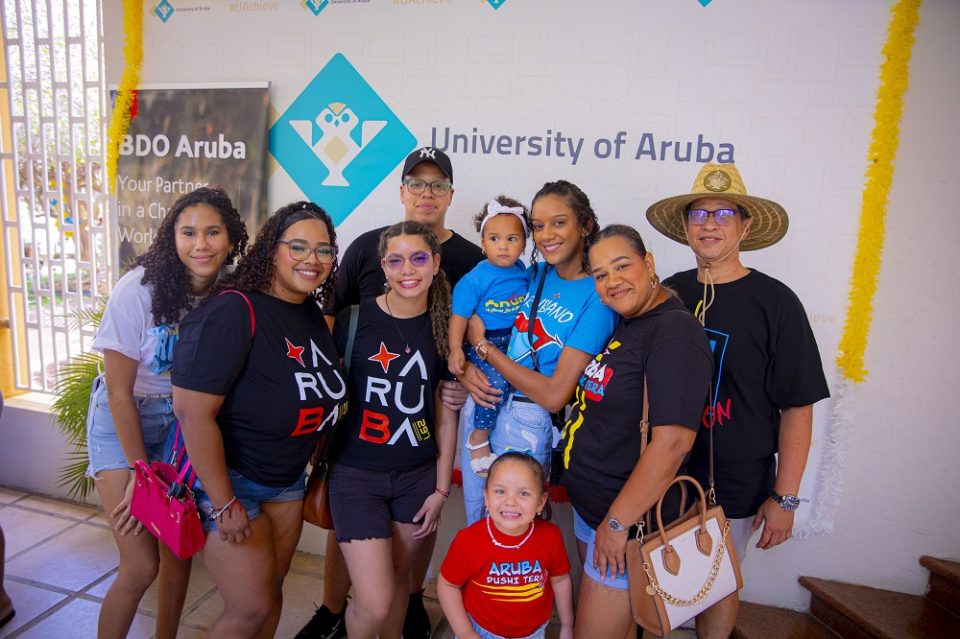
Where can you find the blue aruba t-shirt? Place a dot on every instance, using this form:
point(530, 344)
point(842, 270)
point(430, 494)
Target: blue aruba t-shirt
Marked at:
point(569, 314)
point(495, 293)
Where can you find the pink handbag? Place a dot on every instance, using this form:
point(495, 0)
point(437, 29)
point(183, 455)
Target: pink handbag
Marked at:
point(170, 514)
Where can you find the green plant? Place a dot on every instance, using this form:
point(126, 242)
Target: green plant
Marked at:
point(72, 391)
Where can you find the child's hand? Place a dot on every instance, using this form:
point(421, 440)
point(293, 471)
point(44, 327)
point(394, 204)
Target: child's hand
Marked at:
point(455, 361)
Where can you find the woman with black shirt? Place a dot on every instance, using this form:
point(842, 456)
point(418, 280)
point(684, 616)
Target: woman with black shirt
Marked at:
point(256, 383)
point(390, 471)
point(610, 484)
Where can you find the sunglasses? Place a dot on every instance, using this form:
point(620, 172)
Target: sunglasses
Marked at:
point(395, 261)
point(723, 217)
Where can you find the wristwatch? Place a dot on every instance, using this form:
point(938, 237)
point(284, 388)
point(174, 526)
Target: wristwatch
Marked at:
point(615, 524)
point(788, 502)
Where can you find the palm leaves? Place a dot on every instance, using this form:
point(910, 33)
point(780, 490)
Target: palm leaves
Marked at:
point(72, 391)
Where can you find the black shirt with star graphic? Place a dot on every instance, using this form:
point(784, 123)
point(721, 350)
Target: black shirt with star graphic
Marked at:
point(390, 424)
point(282, 387)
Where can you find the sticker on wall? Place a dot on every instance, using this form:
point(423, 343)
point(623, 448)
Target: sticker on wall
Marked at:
point(338, 139)
point(314, 6)
point(163, 10)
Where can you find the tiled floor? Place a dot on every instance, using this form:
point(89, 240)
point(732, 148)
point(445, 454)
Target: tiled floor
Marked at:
point(61, 559)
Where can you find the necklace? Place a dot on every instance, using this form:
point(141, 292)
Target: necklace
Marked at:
point(496, 543)
point(386, 301)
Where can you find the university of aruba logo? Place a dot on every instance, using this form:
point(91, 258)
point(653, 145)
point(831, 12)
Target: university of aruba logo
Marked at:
point(338, 140)
point(314, 6)
point(163, 10)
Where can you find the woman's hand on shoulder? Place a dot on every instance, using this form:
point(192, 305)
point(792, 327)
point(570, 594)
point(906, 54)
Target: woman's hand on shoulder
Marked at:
point(429, 515)
point(477, 384)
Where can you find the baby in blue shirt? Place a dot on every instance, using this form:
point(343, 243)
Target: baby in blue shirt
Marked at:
point(494, 290)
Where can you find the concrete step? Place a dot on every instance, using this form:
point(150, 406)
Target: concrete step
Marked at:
point(944, 586)
point(766, 622)
point(861, 612)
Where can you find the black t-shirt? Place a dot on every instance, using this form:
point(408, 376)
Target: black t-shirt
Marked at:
point(602, 438)
point(765, 360)
point(360, 275)
point(282, 388)
point(390, 424)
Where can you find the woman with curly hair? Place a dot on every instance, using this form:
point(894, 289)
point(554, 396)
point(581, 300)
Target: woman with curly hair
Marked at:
point(391, 466)
point(131, 409)
point(256, 383)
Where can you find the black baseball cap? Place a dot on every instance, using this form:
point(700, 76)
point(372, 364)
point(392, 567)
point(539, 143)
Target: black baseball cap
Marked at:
point(428, 154)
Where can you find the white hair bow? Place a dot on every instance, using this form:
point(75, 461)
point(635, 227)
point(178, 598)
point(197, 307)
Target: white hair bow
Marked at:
point(495, 208)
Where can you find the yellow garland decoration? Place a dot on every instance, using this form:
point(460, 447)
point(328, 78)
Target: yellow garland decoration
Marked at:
point(132, 56)
point(894, 77)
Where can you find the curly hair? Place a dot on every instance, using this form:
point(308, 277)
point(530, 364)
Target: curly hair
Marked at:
point(504, 201)
point(172, 289)
point(256, 269)
point(578, 201)
point(438, 296)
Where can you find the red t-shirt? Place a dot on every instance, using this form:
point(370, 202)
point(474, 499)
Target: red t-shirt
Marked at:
point(507, 591)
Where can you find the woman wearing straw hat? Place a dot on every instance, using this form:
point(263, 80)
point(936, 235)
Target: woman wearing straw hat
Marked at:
point(767, 369)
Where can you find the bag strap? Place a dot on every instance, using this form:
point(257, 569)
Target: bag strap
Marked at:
point(253, 316)
point(644, 434)
point(180, 446)
point(351, 336)
point(533, 315)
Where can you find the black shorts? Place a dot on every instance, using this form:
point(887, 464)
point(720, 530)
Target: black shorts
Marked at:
point(364, 503)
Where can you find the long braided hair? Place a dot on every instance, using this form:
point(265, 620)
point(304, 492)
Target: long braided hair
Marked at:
point(438, 295)
point(161, 264)
point(256, 269)
point(578, 201)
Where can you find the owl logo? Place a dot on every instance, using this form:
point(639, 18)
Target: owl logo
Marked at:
point(329, 137)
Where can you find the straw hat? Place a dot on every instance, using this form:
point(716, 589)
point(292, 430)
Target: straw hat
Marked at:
point(768, 219)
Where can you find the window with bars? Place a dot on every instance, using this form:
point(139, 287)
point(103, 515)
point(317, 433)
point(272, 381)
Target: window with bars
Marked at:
point(53, 195)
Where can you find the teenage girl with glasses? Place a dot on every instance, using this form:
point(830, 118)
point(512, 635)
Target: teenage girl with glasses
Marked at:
point(393, 456)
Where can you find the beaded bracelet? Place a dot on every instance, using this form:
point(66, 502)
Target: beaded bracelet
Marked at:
point(217, 515)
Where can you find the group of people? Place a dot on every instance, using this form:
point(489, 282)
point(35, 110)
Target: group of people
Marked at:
point(378, 356)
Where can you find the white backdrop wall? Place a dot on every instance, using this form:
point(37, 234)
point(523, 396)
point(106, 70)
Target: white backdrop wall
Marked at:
point(790, 90)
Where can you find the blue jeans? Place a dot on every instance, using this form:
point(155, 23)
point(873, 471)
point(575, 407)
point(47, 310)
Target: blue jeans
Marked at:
point(539, 633)
point(486, 418)
point(521, 426)
point(103, 445)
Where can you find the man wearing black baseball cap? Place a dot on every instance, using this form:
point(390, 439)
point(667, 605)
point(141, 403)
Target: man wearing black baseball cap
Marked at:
point(426, 191)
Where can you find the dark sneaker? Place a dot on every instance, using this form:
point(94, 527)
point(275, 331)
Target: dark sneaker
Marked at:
point(324, 625)
point(416, 625)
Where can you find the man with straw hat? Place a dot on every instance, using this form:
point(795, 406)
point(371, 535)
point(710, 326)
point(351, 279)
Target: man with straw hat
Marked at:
point(767, 369)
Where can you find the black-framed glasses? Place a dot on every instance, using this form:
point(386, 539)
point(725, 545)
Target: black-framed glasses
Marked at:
point(395, 261)
point(723, 217)
point(438, 187)
point(300, 250)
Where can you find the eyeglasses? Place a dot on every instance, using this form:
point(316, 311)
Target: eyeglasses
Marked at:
point(438, 187)
point(723, 217)
point(395, 261)
point(300, 250)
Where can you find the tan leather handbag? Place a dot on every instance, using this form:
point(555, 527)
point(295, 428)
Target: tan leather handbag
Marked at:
point(682, 569)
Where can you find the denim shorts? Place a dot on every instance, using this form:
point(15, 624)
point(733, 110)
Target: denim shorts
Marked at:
point(539, 633)
point(103, 445)
point(583, 532)
point(364, 503)
point(250, 494)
